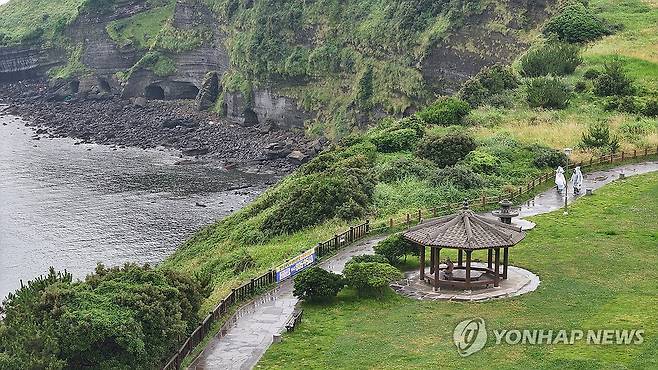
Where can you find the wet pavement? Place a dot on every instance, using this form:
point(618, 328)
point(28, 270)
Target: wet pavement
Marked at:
point(251, 331)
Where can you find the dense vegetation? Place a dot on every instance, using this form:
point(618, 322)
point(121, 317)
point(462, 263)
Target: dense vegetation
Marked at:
point(118, 318)
point(572, 255)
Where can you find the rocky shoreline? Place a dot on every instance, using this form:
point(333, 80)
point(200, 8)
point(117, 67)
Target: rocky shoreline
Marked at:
point(199, 136)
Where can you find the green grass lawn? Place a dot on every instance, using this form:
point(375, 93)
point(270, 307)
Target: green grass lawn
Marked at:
point(599, 270)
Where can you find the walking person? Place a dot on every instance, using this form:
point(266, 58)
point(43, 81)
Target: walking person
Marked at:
point(560, 180)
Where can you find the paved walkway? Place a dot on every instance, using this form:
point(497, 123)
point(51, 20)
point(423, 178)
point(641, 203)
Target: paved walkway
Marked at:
point(249, 334)
point(250, 331)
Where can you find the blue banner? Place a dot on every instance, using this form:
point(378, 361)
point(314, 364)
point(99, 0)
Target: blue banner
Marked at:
point(295, 265)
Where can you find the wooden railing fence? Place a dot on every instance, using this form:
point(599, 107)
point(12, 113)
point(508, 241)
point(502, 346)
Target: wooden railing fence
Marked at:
point(355, 233)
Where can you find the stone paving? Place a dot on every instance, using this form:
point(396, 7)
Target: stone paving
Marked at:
point(246, 337)
point(519, 281)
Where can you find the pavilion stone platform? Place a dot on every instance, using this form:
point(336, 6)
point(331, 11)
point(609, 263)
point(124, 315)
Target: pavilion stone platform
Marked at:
point(519, 281)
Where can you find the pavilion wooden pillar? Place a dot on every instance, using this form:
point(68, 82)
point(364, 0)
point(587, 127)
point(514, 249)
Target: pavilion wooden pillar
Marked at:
point(437, 271)
point(468, 269)
point(489, 258)
point(505, 262)
point(460, 258)
point(421, 257)
point(432, 257)
point(497, 268)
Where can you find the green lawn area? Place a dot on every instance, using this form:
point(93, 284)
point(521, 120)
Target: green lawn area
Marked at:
point(599, 270)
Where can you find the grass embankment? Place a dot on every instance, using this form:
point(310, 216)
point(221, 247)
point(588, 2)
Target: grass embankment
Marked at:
point(141, 29)
point(636, 45)
point(27, 20)
point(598, 265)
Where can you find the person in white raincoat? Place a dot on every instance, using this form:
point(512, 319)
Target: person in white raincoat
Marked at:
point(560, 180)
point(577, 180)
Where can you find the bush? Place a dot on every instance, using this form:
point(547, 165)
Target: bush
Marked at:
point(591, 74)
point(613, 81)
point(482, 162)
point(412, 122)
point(240, 261)
point(342, 190)
point(394, 141)
point(598, 137)
point(459, 176)
point(402, 168)
point(651, 108)
point(316, 283)
point(393, 248)
point(446, 150)
point(575, 23)
point(445, 111)
point(32, 36)
point(120, 318)
point(555, 58)
point(626, 104)
point(367, 258)
point(370, 277)
point(548, 92)
point(548, 157)
point(489, 82)
point(634, 130)
point(581, 86)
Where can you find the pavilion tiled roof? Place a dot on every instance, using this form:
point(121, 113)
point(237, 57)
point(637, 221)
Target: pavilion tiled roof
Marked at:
point(465, 230)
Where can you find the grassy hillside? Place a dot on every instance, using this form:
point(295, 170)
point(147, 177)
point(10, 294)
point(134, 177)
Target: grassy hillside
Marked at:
point(30, 20)
point(635, 44)
point(590, 276)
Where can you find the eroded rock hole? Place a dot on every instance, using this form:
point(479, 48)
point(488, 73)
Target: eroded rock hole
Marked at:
point(154, 92)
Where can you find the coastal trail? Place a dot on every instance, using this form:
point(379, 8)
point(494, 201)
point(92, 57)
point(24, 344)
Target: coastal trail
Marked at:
point(249, 332)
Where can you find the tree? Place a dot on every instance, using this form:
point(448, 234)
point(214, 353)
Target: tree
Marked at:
point(598, 137)
point(121, 318)
point(316, 283)
point(370, 277)
point(575, 23)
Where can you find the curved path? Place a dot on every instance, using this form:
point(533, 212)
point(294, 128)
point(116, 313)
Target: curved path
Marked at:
point(250, 331)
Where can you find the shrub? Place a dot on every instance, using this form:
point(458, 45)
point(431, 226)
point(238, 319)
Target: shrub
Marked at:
point(482, 162)
point(393, 248)
point(316, 283)
point(343, 190)
point(459, 176)
point(446, 150)
point(591, 74)
point(634, 130)
point(240, 261)
point(548, 92)
point(370, 277)
point(651, 108)
point(548, 157)
point(367, 258)
point(445, 111)
point(613, 81)
point(394, 141)
point(489, 82)
point(627, 104)
point(32, 36)
point(598, 137)
point(555, 58)
point(411, 122)
point(402, 168)
point(581, 86)
point(575, 23)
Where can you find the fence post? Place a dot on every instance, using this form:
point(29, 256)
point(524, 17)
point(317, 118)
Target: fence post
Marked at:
point(634, 153)
point(408, 220)
point(646, 151)
point(420, 215)
point(622, 155)
point(252, 287)
point(351, 239)
point(367, 226)
point(390, 223)
point(612, 156)
point(335, 241)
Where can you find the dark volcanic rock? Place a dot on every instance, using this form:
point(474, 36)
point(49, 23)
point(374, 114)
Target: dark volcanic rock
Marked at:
point(209, 92)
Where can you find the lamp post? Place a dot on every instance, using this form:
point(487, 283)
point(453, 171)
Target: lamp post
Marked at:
point(567, 152)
